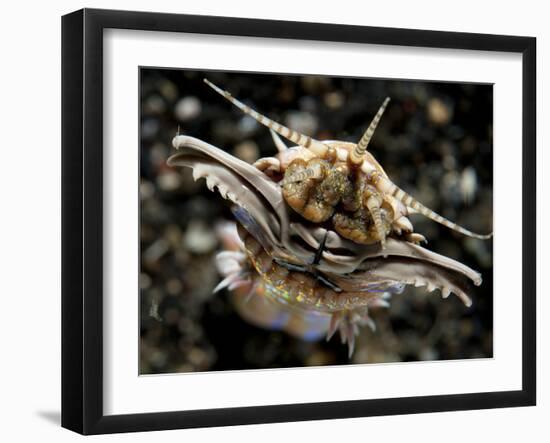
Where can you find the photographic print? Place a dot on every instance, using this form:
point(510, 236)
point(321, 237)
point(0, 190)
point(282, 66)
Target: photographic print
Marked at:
point(297, 220)
point(293, 220)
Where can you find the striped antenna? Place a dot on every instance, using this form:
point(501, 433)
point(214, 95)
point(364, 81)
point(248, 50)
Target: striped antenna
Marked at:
point(374, 208)
point(357, 154)
point(410, 201)
point(315, 171)
point(295, 137)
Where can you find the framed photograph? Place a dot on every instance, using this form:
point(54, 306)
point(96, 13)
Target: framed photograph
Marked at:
point(269, 221)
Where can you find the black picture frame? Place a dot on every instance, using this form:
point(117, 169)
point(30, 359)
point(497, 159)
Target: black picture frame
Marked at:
point(82, 220)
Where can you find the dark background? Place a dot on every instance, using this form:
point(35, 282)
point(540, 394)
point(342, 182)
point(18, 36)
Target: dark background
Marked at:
point(434, 141)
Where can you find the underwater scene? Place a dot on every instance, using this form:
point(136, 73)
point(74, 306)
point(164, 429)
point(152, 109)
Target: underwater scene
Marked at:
point(299, 220)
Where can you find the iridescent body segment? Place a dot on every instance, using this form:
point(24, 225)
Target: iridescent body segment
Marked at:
point(281, 296)
point(303, 289)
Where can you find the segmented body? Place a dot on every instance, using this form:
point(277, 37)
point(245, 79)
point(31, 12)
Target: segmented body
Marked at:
point(342, 193)
point(282, 295)
point(307, 290)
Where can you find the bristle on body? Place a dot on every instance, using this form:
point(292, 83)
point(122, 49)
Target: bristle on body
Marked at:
point(356, 156)
point(388, 187)
point(295, 137)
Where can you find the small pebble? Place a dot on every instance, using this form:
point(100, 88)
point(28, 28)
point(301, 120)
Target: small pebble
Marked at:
point(169, 181)
point(149, 128)
point(468, 185)
point(146, 190)
point(439, 112)
point(154, 252)
point(199, 238)
point(247, 151)
point(154, 105)
point(315, 84)
point(144, 281)
point(247, 126)
point(173, 286)
point(187, 108)
point(334, 100)
point(168, 90)
point(303, 122)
